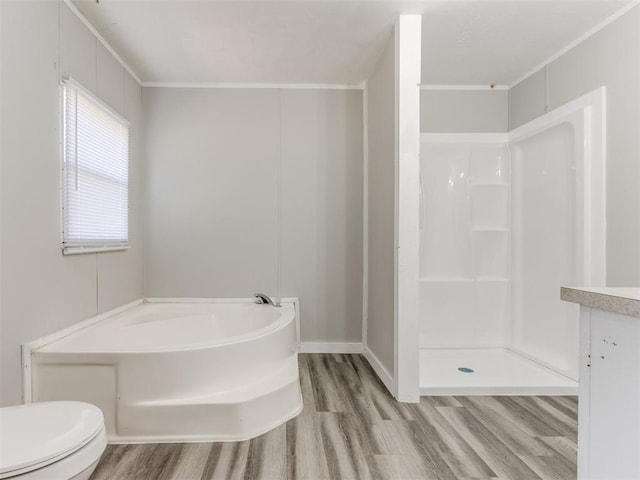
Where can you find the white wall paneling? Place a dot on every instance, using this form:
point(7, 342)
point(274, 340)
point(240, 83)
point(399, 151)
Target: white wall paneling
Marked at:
point(212, 199)
point(41, 41)
point(322, 211)
point(381, 207)
point(110, 79)
point(464, 110)
point(78, 51)
point(603, 25)
point(527, 99)
point(74, 9)
point(211, 192)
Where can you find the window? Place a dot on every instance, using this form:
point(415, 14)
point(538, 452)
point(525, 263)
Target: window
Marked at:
point(95, 174)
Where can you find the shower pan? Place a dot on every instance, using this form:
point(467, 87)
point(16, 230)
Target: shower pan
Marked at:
point(506, 219)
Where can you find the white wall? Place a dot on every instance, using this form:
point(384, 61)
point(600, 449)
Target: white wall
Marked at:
point(528, 100)
point(450, 111)
point(381, 208)
point(322, 216)
point(43, 291)
point(211, 200)
point(212, 197)
point(611, 58)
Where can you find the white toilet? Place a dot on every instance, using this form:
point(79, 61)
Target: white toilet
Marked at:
point(51, 440)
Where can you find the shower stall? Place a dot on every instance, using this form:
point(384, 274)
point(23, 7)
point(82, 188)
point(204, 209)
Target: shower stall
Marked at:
point(505, 220)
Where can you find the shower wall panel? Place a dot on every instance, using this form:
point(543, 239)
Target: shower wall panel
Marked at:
point(446, 236)
point(464, 291)
point(544, 239)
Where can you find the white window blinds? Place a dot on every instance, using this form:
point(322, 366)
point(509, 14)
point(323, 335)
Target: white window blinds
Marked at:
point(95, 174)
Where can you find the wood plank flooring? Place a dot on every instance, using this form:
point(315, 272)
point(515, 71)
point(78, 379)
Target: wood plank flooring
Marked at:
point(351, 428)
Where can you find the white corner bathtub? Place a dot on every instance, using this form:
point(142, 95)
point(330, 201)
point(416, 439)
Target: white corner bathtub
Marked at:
point(177, 372)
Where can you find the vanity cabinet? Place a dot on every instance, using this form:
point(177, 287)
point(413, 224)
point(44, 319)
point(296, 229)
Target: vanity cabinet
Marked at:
point(609, 391)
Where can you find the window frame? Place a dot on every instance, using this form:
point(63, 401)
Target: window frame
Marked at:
point(75, 247)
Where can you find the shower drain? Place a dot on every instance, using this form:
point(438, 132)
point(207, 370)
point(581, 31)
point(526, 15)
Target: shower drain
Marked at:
point(465, 369)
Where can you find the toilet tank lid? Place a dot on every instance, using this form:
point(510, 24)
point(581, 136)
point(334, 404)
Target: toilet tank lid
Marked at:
point(44, 432)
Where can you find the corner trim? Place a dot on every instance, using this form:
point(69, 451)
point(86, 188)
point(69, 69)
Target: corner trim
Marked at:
point(588, 34)
point(290, 86)
point(25, 368)
point(407, 169)
point(102, 40)
point(365, 213)
point(464, 87)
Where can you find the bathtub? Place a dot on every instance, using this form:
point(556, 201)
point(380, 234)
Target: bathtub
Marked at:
point(169, 371)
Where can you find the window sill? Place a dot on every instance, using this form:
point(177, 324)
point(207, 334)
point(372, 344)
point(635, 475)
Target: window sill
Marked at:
point(97, 249)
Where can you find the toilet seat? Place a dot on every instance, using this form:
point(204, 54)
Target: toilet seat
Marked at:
point(38, 435)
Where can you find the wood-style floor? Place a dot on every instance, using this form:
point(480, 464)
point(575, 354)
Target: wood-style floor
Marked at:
point(351, 428)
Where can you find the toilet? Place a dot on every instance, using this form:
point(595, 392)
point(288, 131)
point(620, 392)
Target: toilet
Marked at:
point(51, 440)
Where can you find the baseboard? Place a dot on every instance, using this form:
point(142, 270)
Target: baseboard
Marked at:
point(499, 391)
point(381, 371)
point(330, 347)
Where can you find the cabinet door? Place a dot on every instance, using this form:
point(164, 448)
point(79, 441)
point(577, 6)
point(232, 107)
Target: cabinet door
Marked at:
point(614, 403)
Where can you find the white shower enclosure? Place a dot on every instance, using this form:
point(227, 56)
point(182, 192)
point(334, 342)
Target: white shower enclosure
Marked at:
point(505, 220)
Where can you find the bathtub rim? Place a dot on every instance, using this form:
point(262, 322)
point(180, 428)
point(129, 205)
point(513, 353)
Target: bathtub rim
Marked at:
point(281, 321)
point(29, 348)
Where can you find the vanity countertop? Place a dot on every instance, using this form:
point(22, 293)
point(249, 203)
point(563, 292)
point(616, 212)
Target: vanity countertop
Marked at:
point(622, 300)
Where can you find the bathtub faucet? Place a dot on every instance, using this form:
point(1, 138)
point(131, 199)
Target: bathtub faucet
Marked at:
point(263, 299)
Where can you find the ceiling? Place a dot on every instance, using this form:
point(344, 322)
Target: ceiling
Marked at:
point(336, 41)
